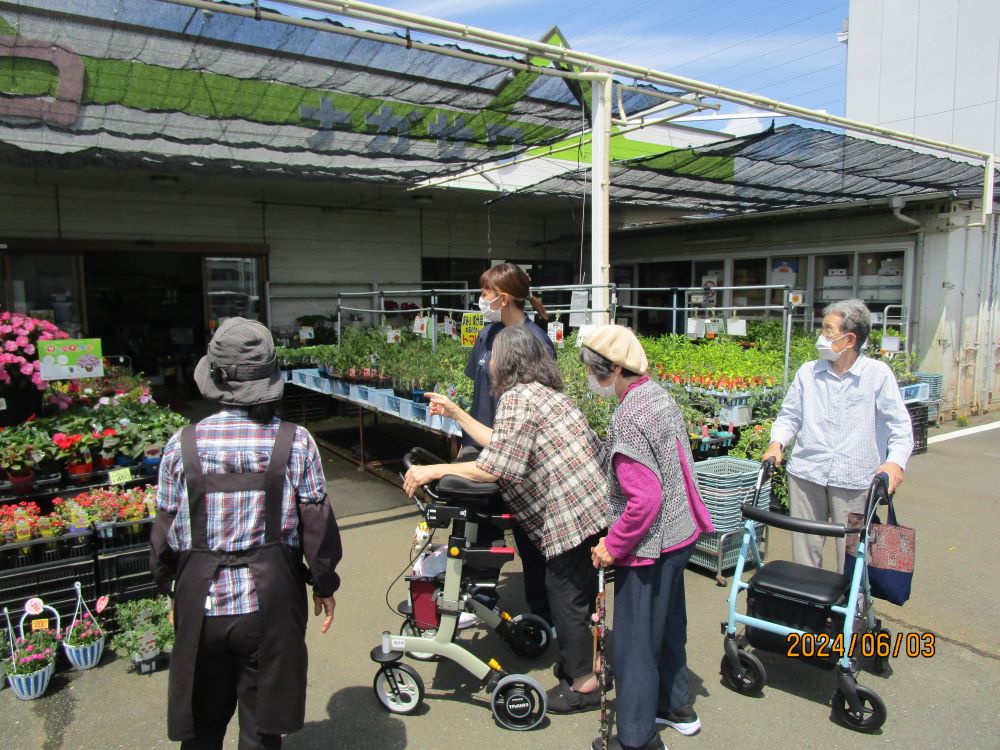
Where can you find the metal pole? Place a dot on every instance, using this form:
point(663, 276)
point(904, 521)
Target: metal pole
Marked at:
point(787, 313)
point(338, 318)
point(433, 322)
point(600, 175)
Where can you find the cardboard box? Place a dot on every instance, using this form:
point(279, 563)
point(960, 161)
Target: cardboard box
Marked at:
point(837, 272)
point(831, 282)
point(834, 294)
point(868, 280)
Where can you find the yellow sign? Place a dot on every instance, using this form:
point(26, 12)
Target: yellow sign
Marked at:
point(40, 624)
point(120, 476)
point(472, 324)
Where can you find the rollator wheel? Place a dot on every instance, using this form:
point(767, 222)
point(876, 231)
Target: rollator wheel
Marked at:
point(872, 715)
point(410, 629)
point(530, 636)
point(519, 703)
point(398, 688)
point(753, 678)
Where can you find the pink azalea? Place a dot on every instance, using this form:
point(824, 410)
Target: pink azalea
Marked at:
point(27, 369)
point(10, 345)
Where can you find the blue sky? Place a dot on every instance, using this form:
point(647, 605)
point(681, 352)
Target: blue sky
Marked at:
point(783, 49)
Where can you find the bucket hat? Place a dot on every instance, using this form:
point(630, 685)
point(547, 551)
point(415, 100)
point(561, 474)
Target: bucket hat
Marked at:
point(240, 367)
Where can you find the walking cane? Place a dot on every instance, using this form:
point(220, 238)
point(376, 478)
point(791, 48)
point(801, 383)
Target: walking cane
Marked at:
point(600, 655)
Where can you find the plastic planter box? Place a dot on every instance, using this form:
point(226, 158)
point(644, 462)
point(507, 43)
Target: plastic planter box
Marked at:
point(915, 392)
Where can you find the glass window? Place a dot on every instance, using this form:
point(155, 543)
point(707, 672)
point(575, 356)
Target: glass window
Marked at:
point(749, 272)
point(47, 286)
point(232, 289)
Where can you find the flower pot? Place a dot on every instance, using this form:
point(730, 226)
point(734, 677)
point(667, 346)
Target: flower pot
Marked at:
point(79, 471)
point(30, 686)
point(21, 481)
point(122, 460)
point(87, 656)
point(104, 462)
point(151, 464)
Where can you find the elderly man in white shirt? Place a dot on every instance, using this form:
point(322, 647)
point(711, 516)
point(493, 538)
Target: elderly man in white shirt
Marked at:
point(846, 415)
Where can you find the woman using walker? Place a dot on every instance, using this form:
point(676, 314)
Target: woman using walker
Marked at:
point(547, 462)
point(654, 518)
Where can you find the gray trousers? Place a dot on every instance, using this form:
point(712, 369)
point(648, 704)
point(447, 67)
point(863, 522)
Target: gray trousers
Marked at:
point(818, 502)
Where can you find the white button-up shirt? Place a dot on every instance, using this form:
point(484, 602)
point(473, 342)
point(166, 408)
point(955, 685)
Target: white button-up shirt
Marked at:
point(844, 426)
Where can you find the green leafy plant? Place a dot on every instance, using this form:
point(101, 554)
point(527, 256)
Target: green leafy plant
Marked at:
point(128, 615)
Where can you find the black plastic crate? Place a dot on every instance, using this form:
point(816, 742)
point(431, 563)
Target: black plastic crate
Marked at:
point(301, 405)
point(23, 555)
point(53, 582)
point(123, 535)
point(126, 575)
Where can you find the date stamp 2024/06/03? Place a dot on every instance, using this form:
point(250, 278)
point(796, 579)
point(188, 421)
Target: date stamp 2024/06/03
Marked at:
point(881, 644)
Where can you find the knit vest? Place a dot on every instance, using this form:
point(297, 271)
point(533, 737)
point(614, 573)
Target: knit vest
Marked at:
point(646, 427)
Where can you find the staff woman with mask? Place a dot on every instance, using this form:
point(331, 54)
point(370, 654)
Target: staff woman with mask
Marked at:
point(504, 289)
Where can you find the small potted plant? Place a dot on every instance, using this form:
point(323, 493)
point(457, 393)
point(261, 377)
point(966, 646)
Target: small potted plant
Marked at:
point(146, 636)
point(18, 458)
point(83, 640)
point(32, 660)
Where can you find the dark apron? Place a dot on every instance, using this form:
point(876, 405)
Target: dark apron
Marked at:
point(279, 581)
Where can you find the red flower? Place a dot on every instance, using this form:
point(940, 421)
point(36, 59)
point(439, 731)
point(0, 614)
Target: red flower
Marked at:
point(109, 432)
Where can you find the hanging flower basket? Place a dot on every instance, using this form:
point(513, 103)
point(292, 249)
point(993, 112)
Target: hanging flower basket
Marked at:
point(27, 687)
point(85, 657)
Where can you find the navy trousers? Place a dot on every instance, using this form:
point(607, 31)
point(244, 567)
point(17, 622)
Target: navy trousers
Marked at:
point(648, 647)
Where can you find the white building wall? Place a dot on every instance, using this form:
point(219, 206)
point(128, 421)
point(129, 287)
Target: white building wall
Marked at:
point(314, 253)
point(929, 67)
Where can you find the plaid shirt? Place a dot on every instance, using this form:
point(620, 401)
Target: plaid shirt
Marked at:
point(548, 463)
point(229, 442)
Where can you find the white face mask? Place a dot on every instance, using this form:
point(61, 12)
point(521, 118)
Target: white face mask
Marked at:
point(605, 391)
point(824, 345)
point(489, 314)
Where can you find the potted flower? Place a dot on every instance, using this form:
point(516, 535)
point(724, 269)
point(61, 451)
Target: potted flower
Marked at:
point(21, 383)
point(32, 663)
point(83, 640)
point(18, 457)
point(75, 450)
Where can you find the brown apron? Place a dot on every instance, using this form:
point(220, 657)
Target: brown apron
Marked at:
point(279, 580)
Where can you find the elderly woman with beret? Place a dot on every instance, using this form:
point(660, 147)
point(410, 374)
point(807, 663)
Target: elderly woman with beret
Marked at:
point(655, 516)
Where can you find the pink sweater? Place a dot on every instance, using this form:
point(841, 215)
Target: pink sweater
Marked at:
point(644, 493)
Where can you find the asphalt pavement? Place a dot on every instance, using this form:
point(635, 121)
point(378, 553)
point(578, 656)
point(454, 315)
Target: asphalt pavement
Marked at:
point(951, 495)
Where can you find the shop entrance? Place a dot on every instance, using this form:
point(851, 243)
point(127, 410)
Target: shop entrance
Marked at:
point(149, 307)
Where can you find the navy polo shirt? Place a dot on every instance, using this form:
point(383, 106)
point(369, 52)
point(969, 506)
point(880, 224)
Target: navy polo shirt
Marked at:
point(484, 405)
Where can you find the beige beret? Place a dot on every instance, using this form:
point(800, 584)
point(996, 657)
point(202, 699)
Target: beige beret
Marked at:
point(619, 345)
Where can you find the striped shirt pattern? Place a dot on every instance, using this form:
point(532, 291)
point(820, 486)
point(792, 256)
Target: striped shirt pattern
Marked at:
point(844, 427)
point(229, 443)
point(547, 461)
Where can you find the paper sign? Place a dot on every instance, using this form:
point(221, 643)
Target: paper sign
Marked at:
point(472, 324)
point(67, 359)
point(102, 604)
point(556, 334)
point(713, 327)
point(736, 327)
point(890, 343)
point(147, 646)
point(393, 336)
point(696, 328)
point(34, 606)
point(306, 333)
point(579, 300)
point(420, 325)
point(120, 476)
point(583, 332)
point(40, 624)
point(449, 327)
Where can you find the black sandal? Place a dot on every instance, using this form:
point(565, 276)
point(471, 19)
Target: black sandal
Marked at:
point(562, 699)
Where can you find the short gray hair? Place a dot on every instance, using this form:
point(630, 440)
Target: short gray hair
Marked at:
point(598, 364)
point(856, 317)
point(519, 356)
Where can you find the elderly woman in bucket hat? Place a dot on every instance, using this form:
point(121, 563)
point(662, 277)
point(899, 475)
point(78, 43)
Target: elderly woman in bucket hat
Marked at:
point(654, 518)
point(241, 500)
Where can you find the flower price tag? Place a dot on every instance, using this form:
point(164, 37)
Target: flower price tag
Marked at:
point(102, 604)
point(120, 476)
point(556, 334)
point(393, 336)
point(42, 623)
point(34, 606)
point(449, 327)
point(147, 646)
point(420, 325)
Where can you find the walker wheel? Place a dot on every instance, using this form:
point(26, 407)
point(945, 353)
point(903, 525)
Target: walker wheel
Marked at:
point(519, 703)
point(398, 688)
point(872, 714)
point(530, 636)
point(752, 675)
point(411, 630)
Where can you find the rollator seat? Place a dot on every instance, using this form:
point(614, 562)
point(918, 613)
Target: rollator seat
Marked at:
point(456, 490)
point(794, 581)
